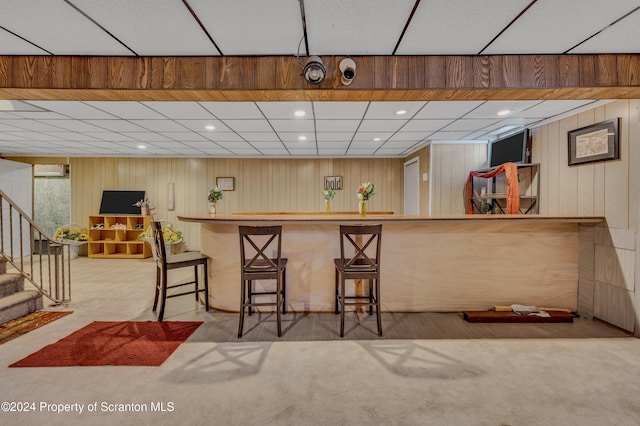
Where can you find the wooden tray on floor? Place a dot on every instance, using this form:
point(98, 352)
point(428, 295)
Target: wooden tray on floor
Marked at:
point(493, 316)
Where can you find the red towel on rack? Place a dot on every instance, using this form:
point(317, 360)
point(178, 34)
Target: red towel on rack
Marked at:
point(513, 189)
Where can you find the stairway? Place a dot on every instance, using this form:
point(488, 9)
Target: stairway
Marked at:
point(15, 301)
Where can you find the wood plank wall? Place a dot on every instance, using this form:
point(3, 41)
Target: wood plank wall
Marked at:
point(278, 78)
point(609, 257)
point(261, 185)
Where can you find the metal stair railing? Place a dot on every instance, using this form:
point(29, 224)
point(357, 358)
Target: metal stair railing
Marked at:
point(47, 265)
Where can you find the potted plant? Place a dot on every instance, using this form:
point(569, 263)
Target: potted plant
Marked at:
point(215, 194)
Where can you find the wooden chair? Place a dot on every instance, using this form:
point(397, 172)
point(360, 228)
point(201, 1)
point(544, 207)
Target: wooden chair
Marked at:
point(165, 263)
point(360, 260)
point(256, 264)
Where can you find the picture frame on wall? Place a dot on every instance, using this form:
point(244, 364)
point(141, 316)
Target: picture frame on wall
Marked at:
point(597, 142)
point(226, 183)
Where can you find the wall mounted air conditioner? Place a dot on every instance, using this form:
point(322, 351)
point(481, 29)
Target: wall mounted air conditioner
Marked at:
point(50, 170)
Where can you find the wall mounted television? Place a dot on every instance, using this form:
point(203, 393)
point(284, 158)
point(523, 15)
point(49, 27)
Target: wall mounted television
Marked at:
point(120, 202)
point(515, 148)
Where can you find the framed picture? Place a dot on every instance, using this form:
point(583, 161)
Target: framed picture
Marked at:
point(333, 182)
point(598, 142)
point(226, 183)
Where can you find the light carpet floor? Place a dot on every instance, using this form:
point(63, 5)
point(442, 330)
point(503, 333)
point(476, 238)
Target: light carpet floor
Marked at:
point(440, 381)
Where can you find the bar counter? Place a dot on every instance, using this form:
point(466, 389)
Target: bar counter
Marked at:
point(428, 264)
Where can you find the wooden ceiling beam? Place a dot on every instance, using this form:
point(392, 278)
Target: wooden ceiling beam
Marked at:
point(278, 78)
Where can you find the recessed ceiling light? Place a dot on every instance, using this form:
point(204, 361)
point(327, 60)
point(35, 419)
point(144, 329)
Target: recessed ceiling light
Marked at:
point(401, 112)
point(142, 147)
point(504, 112)
point(299, 113)
point(376, 139)
point(210, 127)
point(302, 138)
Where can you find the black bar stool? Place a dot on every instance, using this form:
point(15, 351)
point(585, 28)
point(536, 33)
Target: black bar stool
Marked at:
point(362, 262)
point(255, 264)
point(165, 263)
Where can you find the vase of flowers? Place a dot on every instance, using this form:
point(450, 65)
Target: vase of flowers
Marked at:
point(145, 207)
point(329, 195)
point(364, 192)
point(215, 194)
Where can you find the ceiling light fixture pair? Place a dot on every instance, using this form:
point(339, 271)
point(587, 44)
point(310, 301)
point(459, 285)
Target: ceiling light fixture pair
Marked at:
point(315, 71)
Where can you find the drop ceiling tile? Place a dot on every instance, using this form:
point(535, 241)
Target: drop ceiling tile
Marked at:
point(267, 145)
point(146, 136)
point(235, 145)
point(73, 125)
point(109, 136)
point(388, 110)
point(546, 109)
point(300, 145)
point(425, 125)
point(380, 125)
point(222, 136)
point(448, 135)
point(334, 136)
point(24, 124)
point(245, 151)
point(334, 145)
point(330, 26)
point(589, 16)
point(295, 137)
point(490, 109)
point(409, 136)
point(389, 151)
point(234, 110)
point(69, 144)
point(181, 110)
point(366, 145)
point(71, 136)
point(337, 125)
point(33, 136)
point(151, 27)
point(285, 110)
point(435, 110)
point(159, 125)
point(292, 125)
point(370, 136)
point(248, 125)
point(73, 109)
point(13, 45)
point(340, 110)
point(400, 144)
point(167, 144)
point(11, 137)
point(260, 136)
point(184, 136)
point(444, 27)
point(127, 110)
point(250, 26)
point(116, 125)
point(38, 115)
point(623, 37)
point(58, 28)
point(469, 125)
point(202, 144)
point(7, 128)
point(201, 125)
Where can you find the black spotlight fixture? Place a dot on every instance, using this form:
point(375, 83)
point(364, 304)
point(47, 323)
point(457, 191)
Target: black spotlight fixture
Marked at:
point(314, 70)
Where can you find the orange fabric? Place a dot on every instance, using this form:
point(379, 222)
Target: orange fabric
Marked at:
point(513, 189)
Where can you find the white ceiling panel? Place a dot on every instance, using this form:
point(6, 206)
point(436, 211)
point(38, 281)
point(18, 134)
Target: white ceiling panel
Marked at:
point(242, 27)
point(381, 125)
point(337, 125)
point(12, 45)
point(342, 145)
point(550, 108)
point(446, 109)
point(181, 110)
point(159, 125)
point(390, 110)
point(408, 136)
point(273, 151)
point(490, 109)
point(116, 125)
point(36, 136)
point(331, 24)
point(425, 125)
point(222, 136)
point(233, 110)
point(126, 110)
point(71, 136)
point(24, 124)
point(545, 27)
point(185, 136)
point(331, 152)
point(73, 125)
point(267, 145)
point(623, 37)
point(150, 27)
point(248, 125)
point(469, 124)
point(293, 125)
point(285, 110)
point(448, 135)
point(147, 136)
point(201, 125)
point(334, 136)
point(340, 110)
point(109, 136)
point(369, 136)
point(445, 27)
point(73, 109)
point(58, 28)
point(260, 136)
point(295, 137)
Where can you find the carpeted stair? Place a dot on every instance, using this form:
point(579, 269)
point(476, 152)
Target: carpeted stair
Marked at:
point(15, 301)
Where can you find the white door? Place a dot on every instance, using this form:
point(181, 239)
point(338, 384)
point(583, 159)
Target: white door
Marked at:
point(412, 187)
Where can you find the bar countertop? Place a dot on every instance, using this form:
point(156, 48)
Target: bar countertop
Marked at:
point(428, 264)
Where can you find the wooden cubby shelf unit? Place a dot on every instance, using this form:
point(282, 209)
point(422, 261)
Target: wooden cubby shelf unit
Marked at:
point(116, 237)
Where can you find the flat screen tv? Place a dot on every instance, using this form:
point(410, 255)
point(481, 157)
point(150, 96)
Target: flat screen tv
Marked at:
point(120, 202)
point(515, 148)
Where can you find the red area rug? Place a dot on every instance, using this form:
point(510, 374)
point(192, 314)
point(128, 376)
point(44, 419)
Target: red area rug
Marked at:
point(101, 343)
point(27, 323)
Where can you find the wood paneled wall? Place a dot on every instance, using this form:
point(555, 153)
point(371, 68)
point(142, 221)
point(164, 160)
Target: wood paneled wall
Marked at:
point(261, 185)
point(450, 167)
point(279, 78)
point(609, 256)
